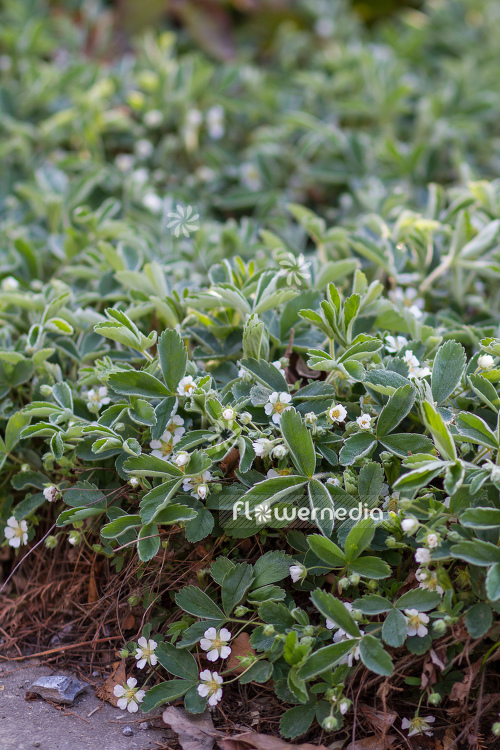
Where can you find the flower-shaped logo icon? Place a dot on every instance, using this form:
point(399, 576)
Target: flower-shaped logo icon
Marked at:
point(294, 268)
point(262, 513)
point(184, 220)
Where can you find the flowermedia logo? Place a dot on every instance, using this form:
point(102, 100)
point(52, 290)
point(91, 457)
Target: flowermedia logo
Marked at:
point(264, 513)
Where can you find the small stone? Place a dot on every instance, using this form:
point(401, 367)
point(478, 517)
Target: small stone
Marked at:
point(128, 732)
point(144, 725)
point(36, 744)
point(58, 688)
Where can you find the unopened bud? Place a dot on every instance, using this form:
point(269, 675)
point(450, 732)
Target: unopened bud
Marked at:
point(51, 542)
point(241, 610)
point(268, 630)
point(439, 627)
point(45, 389)
point(434, 699)
point(245, 417)
point(496, 729)
point(330, 723)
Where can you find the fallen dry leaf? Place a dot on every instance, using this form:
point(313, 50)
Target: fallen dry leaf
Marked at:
point(460, 690)
point(239, 647)
point(449, 738)
point(380, 720)
point(195, 731)
point(93, 594)
point(255, 741)
point(117, 677)
point(372, 743)
point(128, 622)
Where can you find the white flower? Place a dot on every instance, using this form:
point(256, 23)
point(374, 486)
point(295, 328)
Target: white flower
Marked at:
point(153, 118)
point(278, 403)
point(129, 696)
point(124, 162)
point(175, 425)
point(297, 572)
point(409, 525)
point(408, 298)
point(163, 447)
point(134, 481)
point(10, 284)
point(416, 622)
point(339, 635)
point(415, 371)
point(197, 485)
point(186, 385)
point(51, 493)
point(228, 415)
point(140, 176)
point(194, 118)
point(279, 451)
point(343, 706)
point(215, 643)
point(393, 344)
point(153, 203)
point(262, 447)
point(391, 503)
point(337, 413)
point(250, 176)
point(428, 580)
point(335, 481)
point(97, 397)
point(143, 148)
point(418, 725)
point(415, 311)
point(205, 174)
point(210, 686)
point(74, 538)
point(278, 366)
point(432, 541)
point(364, 421)
point(485, 361)
point(16, 532)
point(422, 555)
point(146, 653)
point(181, 459)
point(215, 122)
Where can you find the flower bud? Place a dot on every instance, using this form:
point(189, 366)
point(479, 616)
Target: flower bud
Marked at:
point(247, 661)
point(309, 630)
point(485, 361)
point(496, 729)
point(268, 630)
point(45, 389)
point(434, 699)
point(245, 417)
point(51, 542)
point(344, 583)
point(124, 653)
point(306, 641)
point(25, 467)
point(240, 611)
point(354, 579)
point(439, 627)
point(330, 723)
point(311, 418)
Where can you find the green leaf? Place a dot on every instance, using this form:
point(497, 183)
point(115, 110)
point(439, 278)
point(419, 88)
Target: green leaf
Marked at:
point(374, 657)
point(158, 499)
point(334, 609)
point(481, 518)
point(447, 370)
point(355, 447)
point(276, 614)
point(194, 601)
point(165, 692)
point(370, 567)
point(271, 567)
point(133, 383)
point(405, 444)
point(220, 567)
point(394, 629)
point(439, 431)
point(175, 513)
point(326, 550)
point(297, 720)
point(492, 583)
point(485, 390)
point(477, 552)
point(479, 619)
point(266, 374)
point(260, 672)
point(15, 426)
point(173, 357)
point(177, 661)
point(148, 542)
point(420, 599)
point(322, 507)
point(119, 526)
point(298, 440)
point(359, 539)
point(235, 584)
point(325, 658)
point(476, 430)
point(151, 466)
point(396, 409)
point(372, 604)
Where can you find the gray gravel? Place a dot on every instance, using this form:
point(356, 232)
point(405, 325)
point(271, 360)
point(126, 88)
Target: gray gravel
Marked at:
point(25, 725)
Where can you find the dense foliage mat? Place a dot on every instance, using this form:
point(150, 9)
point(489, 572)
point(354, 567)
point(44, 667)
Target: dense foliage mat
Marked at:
point(251, 308)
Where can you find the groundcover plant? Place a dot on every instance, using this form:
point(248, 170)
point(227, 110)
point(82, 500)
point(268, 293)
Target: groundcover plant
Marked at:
point(236, 303)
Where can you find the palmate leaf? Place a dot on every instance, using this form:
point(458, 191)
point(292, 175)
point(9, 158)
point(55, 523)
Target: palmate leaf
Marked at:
point(299, 442)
